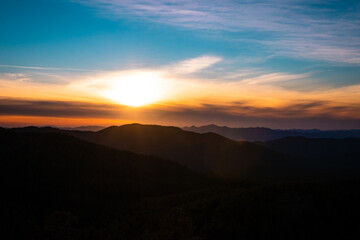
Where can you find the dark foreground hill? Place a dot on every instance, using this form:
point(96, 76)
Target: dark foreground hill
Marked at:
point(209, 153)
point(46, 172)
point(267, 134)
point(55, 186)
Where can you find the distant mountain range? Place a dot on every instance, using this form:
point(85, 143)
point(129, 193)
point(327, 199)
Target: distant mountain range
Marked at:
point(84, 128)
point(267, 134)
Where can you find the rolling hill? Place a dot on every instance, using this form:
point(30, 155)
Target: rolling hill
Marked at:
point(209, 153)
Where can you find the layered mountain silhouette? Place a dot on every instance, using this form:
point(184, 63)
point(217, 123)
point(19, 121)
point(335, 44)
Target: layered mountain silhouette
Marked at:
point(208, 153)
point(216, 155)
point(60, 184)
point(267, 134)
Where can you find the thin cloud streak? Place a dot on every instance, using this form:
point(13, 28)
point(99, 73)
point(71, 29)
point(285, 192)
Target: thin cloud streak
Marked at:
point(274, 78)
point(47, 68)
point(193, 65)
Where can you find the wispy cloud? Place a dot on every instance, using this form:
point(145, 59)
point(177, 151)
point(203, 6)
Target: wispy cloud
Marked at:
point(13, 76)
point(274, 78)
point(37, 76)
point(292, 28)
point(193, 65)
point(46, 68)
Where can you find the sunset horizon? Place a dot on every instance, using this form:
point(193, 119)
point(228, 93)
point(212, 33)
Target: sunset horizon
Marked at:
point(180, 119)
point(280, 65)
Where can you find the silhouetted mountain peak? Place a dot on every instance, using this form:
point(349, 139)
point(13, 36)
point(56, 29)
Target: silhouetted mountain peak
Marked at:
point(142, 127)
point(37, 129)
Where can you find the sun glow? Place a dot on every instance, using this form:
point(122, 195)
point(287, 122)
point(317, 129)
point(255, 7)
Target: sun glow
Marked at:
point(136, 89)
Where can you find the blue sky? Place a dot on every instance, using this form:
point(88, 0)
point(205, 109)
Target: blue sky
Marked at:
point(107, 35)
point(58, 40)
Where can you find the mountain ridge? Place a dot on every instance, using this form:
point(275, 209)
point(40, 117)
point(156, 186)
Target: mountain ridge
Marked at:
point(268, 134)
point(209, 153)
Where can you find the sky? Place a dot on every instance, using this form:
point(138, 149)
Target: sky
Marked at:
point(280, 64)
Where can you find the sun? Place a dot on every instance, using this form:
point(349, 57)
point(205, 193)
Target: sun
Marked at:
point(136, 89)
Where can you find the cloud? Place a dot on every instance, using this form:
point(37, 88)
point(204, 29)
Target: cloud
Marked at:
point(258, 87)
point(253, 97)
point(342, 51)
point(274, 78)
point(291, 28)
point(297, 115)
point(43, 75)
point(14, 77)
point(45, 68)
point(193, 65)
point(35, 76)
point(48, 108)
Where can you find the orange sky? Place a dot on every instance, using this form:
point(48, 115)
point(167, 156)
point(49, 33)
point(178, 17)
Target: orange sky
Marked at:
point(171, 95)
